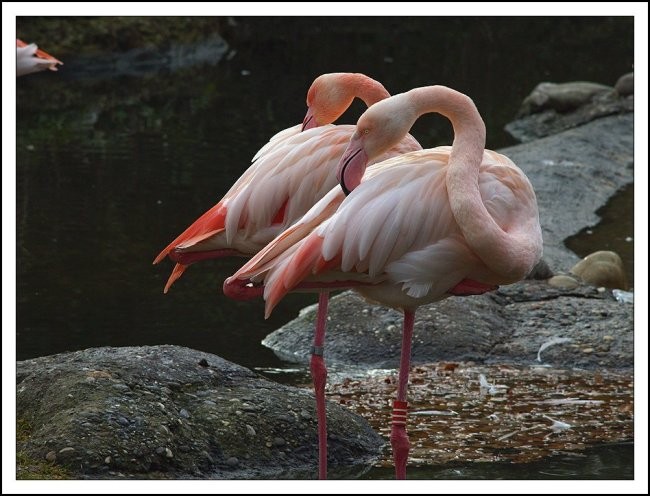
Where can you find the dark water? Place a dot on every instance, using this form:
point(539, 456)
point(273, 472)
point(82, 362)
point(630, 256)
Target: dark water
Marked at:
point(612, 462)
point(116, 155)
point(614, 232)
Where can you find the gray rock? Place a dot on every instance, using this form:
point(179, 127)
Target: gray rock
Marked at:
point(508, 326)
point(63, 410)
point(553, 108)
point(625, 84)
point(562, 97)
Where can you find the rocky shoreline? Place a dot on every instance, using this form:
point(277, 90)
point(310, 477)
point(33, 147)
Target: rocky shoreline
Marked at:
point(506, 326)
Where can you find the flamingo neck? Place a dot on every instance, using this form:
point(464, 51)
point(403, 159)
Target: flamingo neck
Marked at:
point(507, 254)
point(367, 89)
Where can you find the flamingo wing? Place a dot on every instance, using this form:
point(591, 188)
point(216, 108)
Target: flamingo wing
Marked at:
point(508, 195)
point(292, 175)
point(374, 236)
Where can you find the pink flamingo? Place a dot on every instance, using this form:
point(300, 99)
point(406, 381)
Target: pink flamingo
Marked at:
point(30, 59)
point(288, 175)
point(415, 229)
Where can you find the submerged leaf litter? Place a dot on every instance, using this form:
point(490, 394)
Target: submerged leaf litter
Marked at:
point(462, 412)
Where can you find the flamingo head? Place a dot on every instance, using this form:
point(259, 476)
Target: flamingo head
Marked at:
point(331, 94)
point(378, 129)
point(30, 59)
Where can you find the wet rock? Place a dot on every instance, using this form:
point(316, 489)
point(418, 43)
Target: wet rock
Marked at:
point(562, 97)
point(79, 422)
point(508, 326)
point(602, 268)
point(625, 84)
point(540, 271)
point(552, 108)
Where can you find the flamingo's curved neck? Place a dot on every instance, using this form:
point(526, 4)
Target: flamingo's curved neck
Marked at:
point(508, 254)
point(367, 89)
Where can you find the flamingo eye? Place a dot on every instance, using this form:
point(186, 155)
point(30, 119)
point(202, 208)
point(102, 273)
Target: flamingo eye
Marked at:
point(366, 131)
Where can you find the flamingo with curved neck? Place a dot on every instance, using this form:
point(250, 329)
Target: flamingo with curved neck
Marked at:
point(413, 229)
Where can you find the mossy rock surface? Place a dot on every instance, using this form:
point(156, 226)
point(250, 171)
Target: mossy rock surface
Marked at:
point(174, 412)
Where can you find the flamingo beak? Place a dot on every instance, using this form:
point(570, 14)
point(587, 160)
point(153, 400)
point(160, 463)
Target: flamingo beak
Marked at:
point(352, 165)
point(309, 121)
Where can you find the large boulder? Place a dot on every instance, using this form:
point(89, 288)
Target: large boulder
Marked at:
point(173, 412)
point(551, 108)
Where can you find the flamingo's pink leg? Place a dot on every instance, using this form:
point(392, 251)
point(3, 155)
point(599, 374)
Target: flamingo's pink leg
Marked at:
point(319, 376)
point(398, 438)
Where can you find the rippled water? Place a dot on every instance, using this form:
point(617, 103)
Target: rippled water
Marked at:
point(113, 163)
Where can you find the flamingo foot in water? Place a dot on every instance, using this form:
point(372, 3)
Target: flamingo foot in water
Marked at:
point(399, 439)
